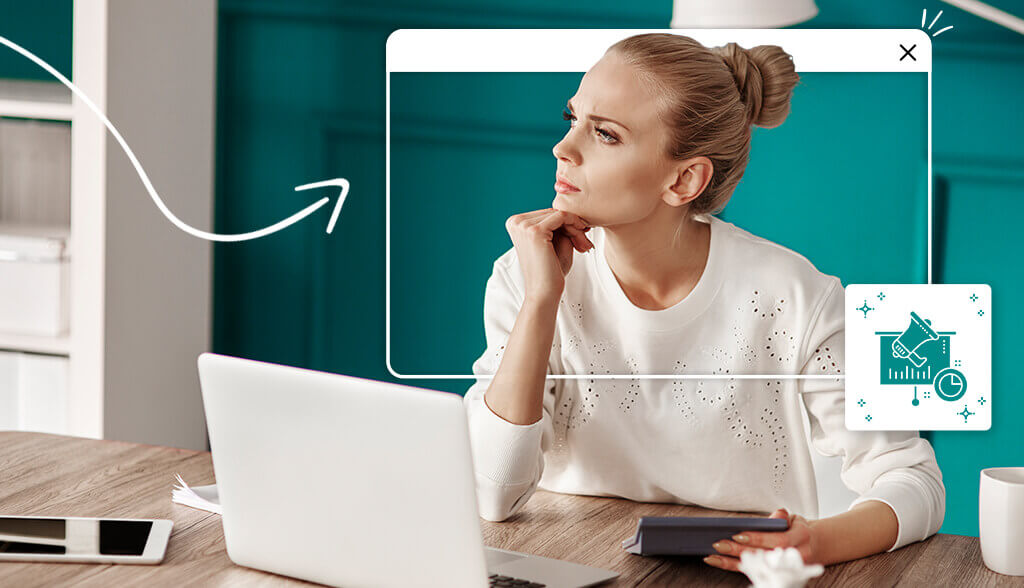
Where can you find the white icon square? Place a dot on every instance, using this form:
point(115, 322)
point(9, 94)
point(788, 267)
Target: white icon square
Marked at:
point(918, 357)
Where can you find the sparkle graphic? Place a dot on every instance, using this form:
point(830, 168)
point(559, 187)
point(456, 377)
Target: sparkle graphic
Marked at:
point(881, 295)
point(974, 297)
point(965, 413)
point(867, 418)
point(861, 402)
point(981, 400)
point(981, 313)
point(924, 16)
point(864, 308)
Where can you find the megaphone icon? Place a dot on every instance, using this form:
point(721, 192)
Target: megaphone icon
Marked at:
point(917, 334)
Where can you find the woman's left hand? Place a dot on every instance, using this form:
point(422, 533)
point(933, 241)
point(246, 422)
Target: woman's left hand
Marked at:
point(800, 535)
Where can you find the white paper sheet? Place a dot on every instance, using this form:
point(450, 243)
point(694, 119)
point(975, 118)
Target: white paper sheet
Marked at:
point(201, 497)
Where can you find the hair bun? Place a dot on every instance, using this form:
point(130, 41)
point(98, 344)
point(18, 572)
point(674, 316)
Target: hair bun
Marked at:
point(765, 78)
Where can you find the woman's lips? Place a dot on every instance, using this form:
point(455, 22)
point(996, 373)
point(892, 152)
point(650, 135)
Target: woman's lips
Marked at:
point(563, 187)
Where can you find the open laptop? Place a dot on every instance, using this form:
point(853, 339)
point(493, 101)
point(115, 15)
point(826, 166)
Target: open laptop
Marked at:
point(353, 482)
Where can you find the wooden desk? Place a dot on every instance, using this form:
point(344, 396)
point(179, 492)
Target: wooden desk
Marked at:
point(50, 475)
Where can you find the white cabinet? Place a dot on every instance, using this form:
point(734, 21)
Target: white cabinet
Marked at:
point(33, 392)
point(140, 289)
point(33, 279)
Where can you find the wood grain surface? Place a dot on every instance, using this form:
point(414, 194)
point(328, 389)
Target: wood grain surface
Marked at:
point(50, 475)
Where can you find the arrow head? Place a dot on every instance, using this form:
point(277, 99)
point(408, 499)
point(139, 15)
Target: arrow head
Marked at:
point(336, 182)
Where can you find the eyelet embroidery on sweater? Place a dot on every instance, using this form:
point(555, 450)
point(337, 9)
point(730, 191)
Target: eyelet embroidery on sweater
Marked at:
point(743, 346)
point(573, 343)
point(768, 307)
point(828, 361)
point(779, 438)
point(600, 347)
point(767, 432)
point(564, 404)
point(581, 407)
point(577, 312)
point(680, 394)
point(762, 431)
point(718, 353)
point(576, 308)
point(633, 388)
point(572, 411)
point(781, 346)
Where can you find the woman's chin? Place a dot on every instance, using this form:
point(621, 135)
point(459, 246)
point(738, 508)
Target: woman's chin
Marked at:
point(566, 203)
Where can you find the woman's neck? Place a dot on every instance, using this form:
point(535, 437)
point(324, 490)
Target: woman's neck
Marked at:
point(658, 260)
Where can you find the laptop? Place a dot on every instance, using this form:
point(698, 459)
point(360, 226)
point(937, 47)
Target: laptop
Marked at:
point(352, 482)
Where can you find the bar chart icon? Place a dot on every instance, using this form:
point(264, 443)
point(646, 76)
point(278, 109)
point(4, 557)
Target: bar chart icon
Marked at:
point(910, 374)
point(896, 370)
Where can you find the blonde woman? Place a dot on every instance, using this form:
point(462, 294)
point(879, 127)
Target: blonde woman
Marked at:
point(629, 273)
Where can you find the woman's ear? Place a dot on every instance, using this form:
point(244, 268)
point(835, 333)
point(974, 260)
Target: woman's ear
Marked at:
point(692, 176)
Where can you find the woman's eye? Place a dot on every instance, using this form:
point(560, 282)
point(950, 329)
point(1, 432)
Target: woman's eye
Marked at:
point(606, 136)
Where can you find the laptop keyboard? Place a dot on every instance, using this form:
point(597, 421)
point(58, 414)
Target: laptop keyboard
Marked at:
point(497, 580)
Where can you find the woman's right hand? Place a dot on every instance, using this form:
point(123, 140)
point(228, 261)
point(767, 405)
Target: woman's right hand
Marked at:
point(544, 241)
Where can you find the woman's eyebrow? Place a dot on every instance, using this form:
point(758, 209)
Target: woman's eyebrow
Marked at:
point(596, 117)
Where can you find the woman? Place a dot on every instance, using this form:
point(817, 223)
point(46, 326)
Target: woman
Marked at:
point(659, 137)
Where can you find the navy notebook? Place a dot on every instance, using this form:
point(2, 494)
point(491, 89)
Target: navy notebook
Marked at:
point(692, 535)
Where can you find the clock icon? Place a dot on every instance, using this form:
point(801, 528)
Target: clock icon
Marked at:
point(950, 384)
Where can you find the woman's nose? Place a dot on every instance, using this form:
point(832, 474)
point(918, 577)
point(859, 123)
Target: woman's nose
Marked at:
point(565, 151)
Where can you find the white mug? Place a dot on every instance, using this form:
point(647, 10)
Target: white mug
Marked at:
point(1001, 520)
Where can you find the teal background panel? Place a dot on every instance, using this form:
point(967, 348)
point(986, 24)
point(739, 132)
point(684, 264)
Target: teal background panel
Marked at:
point(44, 28)
point(842, 182)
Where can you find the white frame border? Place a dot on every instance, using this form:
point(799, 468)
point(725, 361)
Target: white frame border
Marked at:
point(575, 50)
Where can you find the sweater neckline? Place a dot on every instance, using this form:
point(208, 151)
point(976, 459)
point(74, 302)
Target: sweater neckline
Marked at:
point(682, 312)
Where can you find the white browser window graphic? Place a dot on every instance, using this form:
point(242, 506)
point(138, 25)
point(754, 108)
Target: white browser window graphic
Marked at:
point(435, 164)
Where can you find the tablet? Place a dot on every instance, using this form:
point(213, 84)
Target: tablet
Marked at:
point(692, 535)
point(77, 539)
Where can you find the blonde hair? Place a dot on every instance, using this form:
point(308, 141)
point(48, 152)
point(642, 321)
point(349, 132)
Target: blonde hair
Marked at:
point(710, 97)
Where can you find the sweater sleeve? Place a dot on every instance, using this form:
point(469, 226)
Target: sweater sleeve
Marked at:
point(507, 458)
point(894, 467)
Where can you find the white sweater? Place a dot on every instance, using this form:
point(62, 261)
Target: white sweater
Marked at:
point(731, 444)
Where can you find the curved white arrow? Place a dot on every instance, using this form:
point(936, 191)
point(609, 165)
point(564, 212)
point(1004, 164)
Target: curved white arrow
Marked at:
point(341, 182)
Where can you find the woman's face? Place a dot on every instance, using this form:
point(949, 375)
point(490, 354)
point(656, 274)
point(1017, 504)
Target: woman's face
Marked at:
point(613, 152)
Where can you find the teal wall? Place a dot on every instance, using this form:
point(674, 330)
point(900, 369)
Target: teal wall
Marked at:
point(41, 26)
point(300, 98)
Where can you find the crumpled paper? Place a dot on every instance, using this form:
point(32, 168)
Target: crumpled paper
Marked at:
point(777, 568)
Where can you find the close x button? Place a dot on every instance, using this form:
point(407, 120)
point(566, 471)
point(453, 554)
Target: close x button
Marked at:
point(908, 52)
